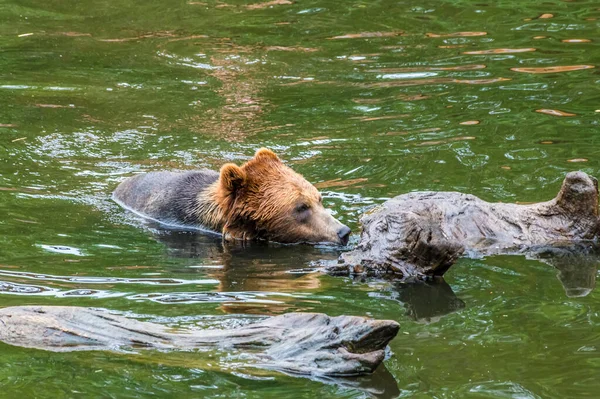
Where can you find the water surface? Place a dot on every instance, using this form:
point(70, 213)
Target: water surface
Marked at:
point(368, 100)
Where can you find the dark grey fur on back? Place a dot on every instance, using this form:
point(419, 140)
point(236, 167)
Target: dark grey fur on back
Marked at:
point(169, 197)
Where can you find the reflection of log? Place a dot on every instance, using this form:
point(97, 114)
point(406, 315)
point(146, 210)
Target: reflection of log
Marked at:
point(576, 263)
point(420, 234)
point(425, 301)
point(381, 384)
point(428, 301)
point(305, 343)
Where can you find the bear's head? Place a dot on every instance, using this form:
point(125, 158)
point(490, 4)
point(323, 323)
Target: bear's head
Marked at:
point(265, 199)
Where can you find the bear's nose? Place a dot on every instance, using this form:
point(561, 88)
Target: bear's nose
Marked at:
point(344, 234)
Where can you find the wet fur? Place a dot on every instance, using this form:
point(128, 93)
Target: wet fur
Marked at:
point(255, 200)
point(173, 198)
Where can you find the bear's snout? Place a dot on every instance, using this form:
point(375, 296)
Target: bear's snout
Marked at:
point(344, 234)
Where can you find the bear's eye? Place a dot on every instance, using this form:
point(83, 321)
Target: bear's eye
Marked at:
point(302, 208)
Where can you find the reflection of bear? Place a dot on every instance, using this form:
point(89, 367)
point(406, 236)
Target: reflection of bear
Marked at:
point(254, 277)
point(262, 199)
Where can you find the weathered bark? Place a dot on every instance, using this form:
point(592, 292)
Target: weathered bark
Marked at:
point(304, 343)
point(422, 234)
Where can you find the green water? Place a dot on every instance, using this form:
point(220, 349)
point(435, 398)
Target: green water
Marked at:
point(367, 99)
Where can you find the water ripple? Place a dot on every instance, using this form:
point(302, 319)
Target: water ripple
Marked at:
point(215, 297)
point(104, 280)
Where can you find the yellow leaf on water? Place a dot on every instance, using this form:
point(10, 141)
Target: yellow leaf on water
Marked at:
point(576, 40)
point(554, 112)
point(501, 51)
point(339, 183)
point(456, 34)
point(554, 69)
point(268, 4)
point(366, 35)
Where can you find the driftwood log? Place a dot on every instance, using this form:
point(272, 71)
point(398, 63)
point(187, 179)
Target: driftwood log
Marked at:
point(303, 343)
point(423, 233)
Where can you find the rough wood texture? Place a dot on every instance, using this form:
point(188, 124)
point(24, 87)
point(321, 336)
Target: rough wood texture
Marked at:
point(421, 234)
point(304, 343)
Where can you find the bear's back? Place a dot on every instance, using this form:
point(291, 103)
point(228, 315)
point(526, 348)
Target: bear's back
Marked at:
point(167, 197)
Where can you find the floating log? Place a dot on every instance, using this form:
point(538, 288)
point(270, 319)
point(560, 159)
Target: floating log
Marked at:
point(303, 343)
point(423, 233)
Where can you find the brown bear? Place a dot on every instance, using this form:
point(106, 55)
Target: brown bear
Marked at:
point(262, 199)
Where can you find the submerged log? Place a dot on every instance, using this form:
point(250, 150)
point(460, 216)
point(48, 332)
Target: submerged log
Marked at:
point(304, 343)
point(423, 233)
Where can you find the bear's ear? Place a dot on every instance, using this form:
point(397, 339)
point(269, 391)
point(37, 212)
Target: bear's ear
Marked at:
point(265, 153)
point(232, 177)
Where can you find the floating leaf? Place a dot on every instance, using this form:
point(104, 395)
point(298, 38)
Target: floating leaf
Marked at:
point(339, 183)
point(456, 34)
point(501, 51)
point(469, 67)
point(268, 4)
point(480, 81)
point(366, 35)
point(555, 69)
point(446, 141)
point(576, 40)
point(554, 112)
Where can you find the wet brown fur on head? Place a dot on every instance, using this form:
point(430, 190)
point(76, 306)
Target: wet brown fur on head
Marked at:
point(264, 198)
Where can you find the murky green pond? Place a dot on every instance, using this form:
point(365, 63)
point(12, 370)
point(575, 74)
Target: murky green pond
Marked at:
point(367, 99)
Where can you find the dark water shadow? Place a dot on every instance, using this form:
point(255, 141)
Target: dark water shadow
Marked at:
point(381, 384)
point(576, 265)
point(425, 301)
